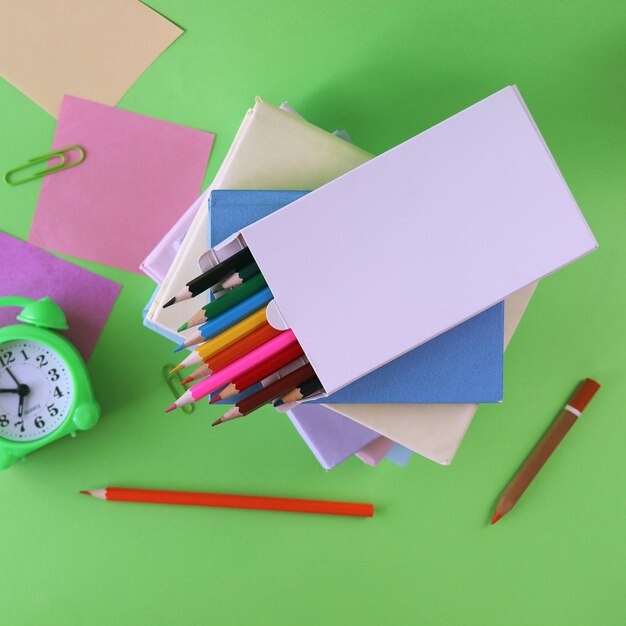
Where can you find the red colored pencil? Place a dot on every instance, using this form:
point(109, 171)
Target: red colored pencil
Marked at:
point(222, 500)
point(245, 381)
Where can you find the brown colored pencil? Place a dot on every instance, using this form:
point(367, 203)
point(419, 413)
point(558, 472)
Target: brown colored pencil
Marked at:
point(258, 399)
point(306, 389)
point(548, 444)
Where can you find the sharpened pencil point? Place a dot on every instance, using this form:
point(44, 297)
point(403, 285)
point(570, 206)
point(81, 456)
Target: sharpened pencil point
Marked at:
point(187, 380)
point(216, 399)
point(278, 402)
point(216, 422)
point(177, 369)
point(171, 407)
point(496, 517)
point(180, 347)
point(182, 327)
point(87, 493)
point(169, 302)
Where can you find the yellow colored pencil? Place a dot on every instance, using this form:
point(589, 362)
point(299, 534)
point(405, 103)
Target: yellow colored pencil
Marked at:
point(224, 339)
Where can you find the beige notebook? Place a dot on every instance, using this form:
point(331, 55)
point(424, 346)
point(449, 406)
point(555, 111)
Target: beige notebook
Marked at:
point(273, 149)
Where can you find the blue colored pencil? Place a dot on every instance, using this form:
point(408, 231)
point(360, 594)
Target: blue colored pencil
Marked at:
point(228, 318)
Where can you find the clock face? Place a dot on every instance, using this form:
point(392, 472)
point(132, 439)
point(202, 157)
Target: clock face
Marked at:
point(36, 390)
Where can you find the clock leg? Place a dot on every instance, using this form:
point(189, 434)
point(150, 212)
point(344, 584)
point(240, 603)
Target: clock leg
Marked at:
point(87, 415)
point(6, 459)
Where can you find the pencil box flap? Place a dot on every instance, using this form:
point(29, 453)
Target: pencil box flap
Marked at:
point(444, 226)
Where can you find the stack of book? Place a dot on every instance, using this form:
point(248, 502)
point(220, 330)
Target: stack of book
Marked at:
point(403, 279)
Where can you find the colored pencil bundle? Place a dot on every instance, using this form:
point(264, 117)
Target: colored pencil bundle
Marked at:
point(231, 353)
point(239, 348)
point(231, 316)
point(256, 375)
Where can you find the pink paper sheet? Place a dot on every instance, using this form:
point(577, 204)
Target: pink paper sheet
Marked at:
point(86, 298)
point(139, 176)
point(375, 451)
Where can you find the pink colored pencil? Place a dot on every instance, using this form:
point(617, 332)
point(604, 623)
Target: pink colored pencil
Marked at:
point(237, 368)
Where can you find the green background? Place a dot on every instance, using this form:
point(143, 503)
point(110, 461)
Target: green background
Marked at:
point(384, 71)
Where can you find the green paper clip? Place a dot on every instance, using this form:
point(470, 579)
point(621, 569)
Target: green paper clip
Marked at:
point(171, 380)
point(63, 165)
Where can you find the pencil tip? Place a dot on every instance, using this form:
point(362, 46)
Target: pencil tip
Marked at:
point(496, 517)
point(87, 493)
point(182, 327)
point(216, 422)
point(278, 402)
point(169, 302)
point(176, 369)
point(180, 347)
point(187, 380)
point(216, 399)
point(171, 407)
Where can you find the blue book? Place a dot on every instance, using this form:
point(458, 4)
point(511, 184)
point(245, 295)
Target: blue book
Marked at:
point(463, 365)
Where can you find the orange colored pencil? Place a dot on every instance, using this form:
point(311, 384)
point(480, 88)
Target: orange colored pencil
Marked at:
point(222, 500)
point(231, 353)
point(223, 340)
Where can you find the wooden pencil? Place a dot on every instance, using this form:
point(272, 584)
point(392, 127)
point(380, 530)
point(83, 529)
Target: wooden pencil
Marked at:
point(544, 449)
point(226, 302)
point(228, 501)
point(225, 357)
point(265, 395)
point(212, 276)
point(223, 340)
point(306, 389)
point(256, 375)
point(244, 274)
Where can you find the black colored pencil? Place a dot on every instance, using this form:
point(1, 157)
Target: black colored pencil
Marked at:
point(306, 389)
point(241, 276)
point(212, 276)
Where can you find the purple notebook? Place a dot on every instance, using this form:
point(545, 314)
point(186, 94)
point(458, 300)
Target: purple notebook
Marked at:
point(331, 437)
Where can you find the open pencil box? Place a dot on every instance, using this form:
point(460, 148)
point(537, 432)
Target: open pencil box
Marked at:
point(442, 227)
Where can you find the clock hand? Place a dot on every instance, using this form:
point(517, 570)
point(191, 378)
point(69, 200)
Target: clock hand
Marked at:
point(17, 390)
point(15, 380)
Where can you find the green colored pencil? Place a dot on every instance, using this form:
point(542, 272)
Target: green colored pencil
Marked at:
point(226, 302)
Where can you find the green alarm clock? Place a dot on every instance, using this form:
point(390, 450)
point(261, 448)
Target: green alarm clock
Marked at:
point(45, 391)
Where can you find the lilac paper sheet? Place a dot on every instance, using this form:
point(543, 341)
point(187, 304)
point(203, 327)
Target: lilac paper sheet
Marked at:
point(85, 297)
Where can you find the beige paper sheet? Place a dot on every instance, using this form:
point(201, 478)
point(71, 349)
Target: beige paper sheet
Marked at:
point(95, 49)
